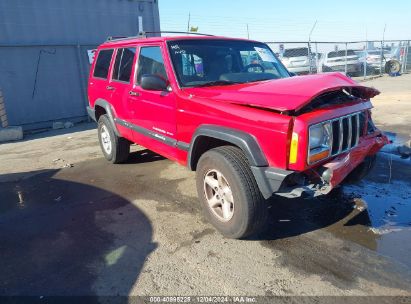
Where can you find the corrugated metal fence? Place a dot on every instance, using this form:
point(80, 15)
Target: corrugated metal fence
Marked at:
point(43, 52)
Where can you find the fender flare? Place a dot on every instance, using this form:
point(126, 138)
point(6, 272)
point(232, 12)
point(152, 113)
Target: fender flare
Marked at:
point(107, 107)
point(246, 142)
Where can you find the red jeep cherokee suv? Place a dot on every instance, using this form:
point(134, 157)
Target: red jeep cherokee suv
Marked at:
point(229, 110)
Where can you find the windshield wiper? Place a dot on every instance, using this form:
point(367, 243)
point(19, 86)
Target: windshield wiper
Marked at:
point(257, 80)
point(217, 83)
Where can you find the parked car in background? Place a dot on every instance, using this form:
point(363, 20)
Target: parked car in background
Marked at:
point(398, 57)
point(337, 60)
point(372, 59)
point(298, 61)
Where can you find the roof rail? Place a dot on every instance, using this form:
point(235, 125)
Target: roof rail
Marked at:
point(142, 35)
point(177, 32)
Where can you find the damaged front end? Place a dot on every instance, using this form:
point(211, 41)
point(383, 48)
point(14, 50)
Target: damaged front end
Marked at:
point(320, 180)
point(336, 140)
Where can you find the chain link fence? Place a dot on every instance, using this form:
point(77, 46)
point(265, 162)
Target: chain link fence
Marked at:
point(356, 59)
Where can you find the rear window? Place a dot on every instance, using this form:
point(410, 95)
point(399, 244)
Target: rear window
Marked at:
point(296, 52)
point(103, 63)
point(341, 53)
point(124, 64)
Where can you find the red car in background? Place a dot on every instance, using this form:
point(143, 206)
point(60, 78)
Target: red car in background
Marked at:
point(229, 110)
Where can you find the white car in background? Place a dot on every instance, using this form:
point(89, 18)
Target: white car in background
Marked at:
point(336, 61)
point(297, 61)
point(373, 58)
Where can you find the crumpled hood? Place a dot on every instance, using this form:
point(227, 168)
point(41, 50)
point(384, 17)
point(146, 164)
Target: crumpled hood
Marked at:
point(285, 94)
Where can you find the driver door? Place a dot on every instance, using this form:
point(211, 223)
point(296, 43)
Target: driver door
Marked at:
point(154, 112)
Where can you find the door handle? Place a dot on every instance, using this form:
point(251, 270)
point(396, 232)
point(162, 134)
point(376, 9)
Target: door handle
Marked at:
point(110, 88)
point(132, 93)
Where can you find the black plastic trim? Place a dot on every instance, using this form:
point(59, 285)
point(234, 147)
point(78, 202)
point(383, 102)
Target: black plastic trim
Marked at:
point(269, 179)
point(107, 107)
point(154, 135)
point(246, 142)
point(91, 113)
point(183, 146)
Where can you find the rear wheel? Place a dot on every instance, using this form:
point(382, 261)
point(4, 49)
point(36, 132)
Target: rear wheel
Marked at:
point(228, 192)
point(115, 149)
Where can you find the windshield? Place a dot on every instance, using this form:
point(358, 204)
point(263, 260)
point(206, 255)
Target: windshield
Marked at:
point(208, 62)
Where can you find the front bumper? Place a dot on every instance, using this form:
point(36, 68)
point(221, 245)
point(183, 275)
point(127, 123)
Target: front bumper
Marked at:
point(322, 179)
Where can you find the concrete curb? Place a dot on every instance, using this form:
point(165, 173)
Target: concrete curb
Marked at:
point(11, 134)
point(3, 116)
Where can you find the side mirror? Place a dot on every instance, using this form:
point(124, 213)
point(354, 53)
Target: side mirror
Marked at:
point(153, 83)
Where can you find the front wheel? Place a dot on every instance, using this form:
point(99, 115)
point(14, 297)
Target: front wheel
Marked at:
point(228, 192)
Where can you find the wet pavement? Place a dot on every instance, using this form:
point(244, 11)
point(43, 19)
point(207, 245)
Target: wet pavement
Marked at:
point(102, 229)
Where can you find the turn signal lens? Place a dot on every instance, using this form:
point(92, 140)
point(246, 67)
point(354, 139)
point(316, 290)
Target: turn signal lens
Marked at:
point(293, 148)
point(319, 156)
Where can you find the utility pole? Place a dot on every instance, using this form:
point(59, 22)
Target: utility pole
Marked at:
point(309, 45)
point(248, 32)
point(382, 49)
point(188, 23)
point(312, 29)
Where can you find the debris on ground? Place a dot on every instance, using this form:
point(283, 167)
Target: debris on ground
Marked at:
point(65, 164)
point(58, 125)
point(62, 125)
point(68, 125)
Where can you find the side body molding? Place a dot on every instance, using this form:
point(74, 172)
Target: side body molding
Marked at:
point(244, 141)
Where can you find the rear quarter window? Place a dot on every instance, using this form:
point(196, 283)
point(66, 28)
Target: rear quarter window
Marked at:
point(103, 63)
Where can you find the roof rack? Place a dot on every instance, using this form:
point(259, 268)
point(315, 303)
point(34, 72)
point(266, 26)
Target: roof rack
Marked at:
point(142, 35)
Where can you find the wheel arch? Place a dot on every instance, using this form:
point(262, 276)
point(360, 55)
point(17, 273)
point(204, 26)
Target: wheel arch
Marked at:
point(208, 137)
point(101, 107)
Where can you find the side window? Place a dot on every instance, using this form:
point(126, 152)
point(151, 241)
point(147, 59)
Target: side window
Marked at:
point(124, 64)
point(151, 62)
point(103, 63)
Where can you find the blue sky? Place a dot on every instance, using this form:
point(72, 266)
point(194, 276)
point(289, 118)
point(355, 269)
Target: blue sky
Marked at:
point(291, 20)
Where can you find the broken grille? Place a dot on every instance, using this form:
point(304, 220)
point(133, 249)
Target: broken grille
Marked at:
point(346, 132)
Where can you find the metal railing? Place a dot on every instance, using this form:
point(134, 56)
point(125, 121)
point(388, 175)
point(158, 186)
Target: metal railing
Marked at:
point(355, 58)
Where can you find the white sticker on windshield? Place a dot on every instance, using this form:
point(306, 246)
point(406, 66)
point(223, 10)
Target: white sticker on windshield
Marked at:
point(265, 54)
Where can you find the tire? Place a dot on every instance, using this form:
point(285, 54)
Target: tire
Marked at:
point(247, 212)
point(115, 149)
point(392, 67)
point(361, 171)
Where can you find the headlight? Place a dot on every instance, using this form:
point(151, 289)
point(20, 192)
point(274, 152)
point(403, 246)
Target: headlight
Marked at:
point(320, 142)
